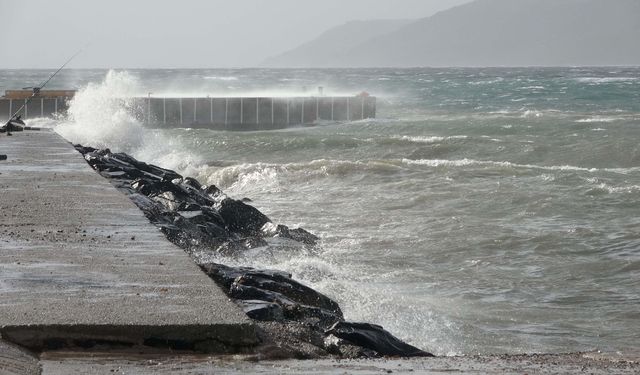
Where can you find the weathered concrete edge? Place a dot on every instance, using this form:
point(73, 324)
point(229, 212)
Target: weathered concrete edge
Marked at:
point(222, 338)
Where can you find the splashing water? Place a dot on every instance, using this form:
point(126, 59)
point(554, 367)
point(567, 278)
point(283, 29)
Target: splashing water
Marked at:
point(101, 114)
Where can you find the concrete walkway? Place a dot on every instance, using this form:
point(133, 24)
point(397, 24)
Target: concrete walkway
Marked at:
point(80, 265)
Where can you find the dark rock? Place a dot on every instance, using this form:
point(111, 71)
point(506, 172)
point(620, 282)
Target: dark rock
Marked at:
point(192, 182)
point(225, 275)
point(374, 337)
point(84, 150)
point(299, 234)
point(289, 288)
point(241, 217)
point(274, 286)
point(297, 301)
point(262, 310)
point(243, 292)
point(212, 192)
point(191, 215)
point(291, 309)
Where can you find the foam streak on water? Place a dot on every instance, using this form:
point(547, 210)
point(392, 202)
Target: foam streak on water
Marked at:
point(484, 211)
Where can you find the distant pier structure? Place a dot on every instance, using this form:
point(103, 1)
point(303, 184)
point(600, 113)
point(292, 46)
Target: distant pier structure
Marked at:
point(46, 104)
point(251, 113)
point(219, 113)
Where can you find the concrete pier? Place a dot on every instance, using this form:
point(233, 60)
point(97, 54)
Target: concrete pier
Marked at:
point(81, 265)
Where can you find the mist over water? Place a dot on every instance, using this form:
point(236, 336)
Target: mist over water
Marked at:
point(483, 211)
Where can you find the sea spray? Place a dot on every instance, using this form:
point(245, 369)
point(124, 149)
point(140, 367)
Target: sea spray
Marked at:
point(101, 114)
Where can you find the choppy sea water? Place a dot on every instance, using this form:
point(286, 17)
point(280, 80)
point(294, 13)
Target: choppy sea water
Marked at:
point(483, 211)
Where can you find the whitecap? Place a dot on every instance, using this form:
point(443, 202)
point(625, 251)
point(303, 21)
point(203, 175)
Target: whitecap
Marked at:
point(429, 139)
point(221, 78)
point(506, 164)
point(531, 114)
point(601, 80)
point(487, 82)
point(600, 119)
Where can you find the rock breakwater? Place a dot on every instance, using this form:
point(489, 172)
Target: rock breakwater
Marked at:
point(295, 320)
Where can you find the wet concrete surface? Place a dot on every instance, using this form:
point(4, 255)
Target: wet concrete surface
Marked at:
point(579, 363)
point(81, 264)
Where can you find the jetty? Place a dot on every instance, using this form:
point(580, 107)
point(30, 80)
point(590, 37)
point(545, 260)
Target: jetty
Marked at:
point(218, 113)
point(82, 266)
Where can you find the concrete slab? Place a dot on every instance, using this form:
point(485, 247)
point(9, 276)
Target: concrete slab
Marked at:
point(80, 264)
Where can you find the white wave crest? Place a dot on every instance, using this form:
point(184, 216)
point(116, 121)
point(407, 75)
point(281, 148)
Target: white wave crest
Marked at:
point(608, 189)
point(221, 78)
point(429, 140)
point(601, 80)
point(600, 119)
point(532, 114)
point(247, 177)
point(505, 164)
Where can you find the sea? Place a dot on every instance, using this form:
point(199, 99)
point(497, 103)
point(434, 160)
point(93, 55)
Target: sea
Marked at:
point(483, 210)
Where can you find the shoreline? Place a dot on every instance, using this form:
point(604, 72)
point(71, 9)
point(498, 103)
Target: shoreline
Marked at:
point(105, 359)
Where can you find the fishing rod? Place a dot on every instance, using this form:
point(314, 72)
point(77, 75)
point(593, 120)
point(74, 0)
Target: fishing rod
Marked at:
point(16, 120)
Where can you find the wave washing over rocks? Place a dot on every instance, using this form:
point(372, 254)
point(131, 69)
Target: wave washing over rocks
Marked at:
point(293, 319)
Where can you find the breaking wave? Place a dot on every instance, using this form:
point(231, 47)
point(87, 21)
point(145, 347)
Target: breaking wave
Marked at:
point(268, 175)
point(100, 115)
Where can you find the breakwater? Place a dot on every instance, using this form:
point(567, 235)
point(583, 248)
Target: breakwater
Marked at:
point(219, 113)
point(201, 219)
point(250, 113)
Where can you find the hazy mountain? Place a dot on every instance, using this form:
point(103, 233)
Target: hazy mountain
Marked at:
point(329, 48)
point(502, 33)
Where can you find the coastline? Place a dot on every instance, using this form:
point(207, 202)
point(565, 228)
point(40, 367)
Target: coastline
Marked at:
point(108, 360)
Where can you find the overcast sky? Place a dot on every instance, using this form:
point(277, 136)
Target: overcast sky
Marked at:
point(178, 34)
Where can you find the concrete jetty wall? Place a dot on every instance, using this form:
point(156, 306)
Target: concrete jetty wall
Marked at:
point(221, 113)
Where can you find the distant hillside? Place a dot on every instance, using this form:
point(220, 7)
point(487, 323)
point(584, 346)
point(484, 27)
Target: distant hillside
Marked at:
point(504, 33)
point(329, 48)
